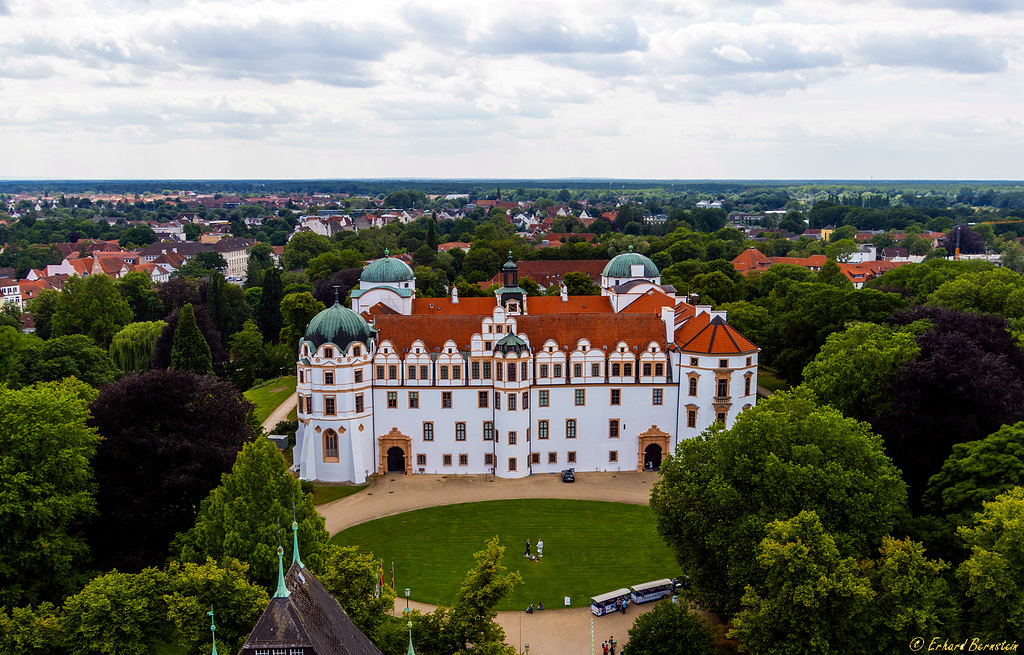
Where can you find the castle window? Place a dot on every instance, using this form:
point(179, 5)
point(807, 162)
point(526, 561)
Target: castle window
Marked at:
point(558, 370)
point(446, 460)
point(616, 397)
point(424, 373)
point(746, 386)
point(535, 458)
point(414, 400)
point(694, 361)
point(511, 438)
point(627, 369)
point(329, 405)
point(444, 372)
point(412, 372)
point(526, 400)
point(301, 377)
point(463, 460)
point(329, 352)
point(392, 372)
point(456, 372)
point(616, 370)
point(723, 363)
point(359, 402)
point(542, 430)
point(570, 428)
point(570, 457)
point(543, 397)
point(487, 345)
point(552, 458)
point(511, 463)
point(488, 459)
point(428, 431)
point(460, 431)
point(577, 370)
point(488, 431)
point(693, 386)
point(328, 377)
point(581, 397)
point(499, 370)
point(750, 360)
point(330, 446)
point(512, 372)
point(656, 396)
point(392, 400)
point(309, 404)
point(659, 369)
point(723, 387)
point(543, 370)
point(691, 418)
point(497, 400)
point(481, 399)
point(358, 375)
point(525, 371)
point(613, 455)
point(421, 460)
point(487, 370)
point(720, 417)
point(647, 369)
point(476, 370)
point(595, 370)
point(613, 428)
point(357, 351)
point(512, 402)
point(380, 372)
point(446, 400)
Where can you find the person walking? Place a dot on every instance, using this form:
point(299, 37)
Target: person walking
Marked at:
point(604, 647)
point(611, 644)
point(527, 554)
point(540, 548)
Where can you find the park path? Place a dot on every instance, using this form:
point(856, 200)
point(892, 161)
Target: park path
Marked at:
point(281, 413)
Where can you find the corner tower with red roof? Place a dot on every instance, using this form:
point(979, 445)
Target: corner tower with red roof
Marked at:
point(515, 385)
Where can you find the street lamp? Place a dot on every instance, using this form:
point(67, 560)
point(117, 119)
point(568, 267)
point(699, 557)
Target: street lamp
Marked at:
point(406, 601)
point(527, 648)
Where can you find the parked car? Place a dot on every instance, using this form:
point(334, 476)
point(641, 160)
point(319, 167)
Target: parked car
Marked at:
point(569, 475)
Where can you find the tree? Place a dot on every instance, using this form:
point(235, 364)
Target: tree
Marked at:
point(670, 629)
point(993, 576)
point(297, 310)
point(301, 248)
point(261, 257)
point(268, 315)
point(91, 306)
point(237, 519)
point(855, 367)
point(45, 448)
point(967, 382)
point(714, 287)
point(190, 351)
point(42, 309)
point(345, 279)
point(807, 594)
point(580, 284)
point(324, 265)
point(831, 274)
point(249, 358)
point(137, 290)
point(75, 355)
point(168, 438)
point(165, 344)
point(351, 577)
point(132, 348)
point(718, 491)
point(29, 631)
point(203, 264)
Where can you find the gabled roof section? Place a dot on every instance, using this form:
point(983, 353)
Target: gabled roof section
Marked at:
point(330, 629)
point(575, 305)
point(711, 335)
point(649, 303)
point(433, 330)
point(603, 331)
point(279, 626)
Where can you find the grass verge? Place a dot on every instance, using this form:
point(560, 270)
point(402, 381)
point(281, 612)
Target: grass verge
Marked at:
point(328, 493)
point(590, 547)
point(268, 396)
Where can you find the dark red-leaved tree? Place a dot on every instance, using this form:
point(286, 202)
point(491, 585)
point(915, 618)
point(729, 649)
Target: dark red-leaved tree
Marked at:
point(967, 382)
point(167, 438)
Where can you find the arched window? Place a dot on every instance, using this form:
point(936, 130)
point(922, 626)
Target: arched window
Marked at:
point(693, 386)
point(330, 446)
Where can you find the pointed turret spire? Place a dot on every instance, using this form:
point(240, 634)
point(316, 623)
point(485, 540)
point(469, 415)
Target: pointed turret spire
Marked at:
point(282, 591)
point(410, 651)
point(387, 252)
point(213, 632)
point(295, 538)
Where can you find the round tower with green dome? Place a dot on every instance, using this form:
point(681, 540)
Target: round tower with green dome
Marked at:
point(334, 439)
point(628, 276)
point(387, 280)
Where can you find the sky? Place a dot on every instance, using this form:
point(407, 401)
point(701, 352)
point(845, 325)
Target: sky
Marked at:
point(684, 89)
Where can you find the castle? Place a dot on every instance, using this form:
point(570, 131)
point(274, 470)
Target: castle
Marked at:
point(513, 385)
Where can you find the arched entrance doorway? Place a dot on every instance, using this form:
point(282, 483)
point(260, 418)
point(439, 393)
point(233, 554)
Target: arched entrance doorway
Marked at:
point(652, 456)
point(396, 460)
point(394, 450)
point(652, 446)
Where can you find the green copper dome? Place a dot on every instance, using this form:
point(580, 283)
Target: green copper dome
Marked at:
point(340, 326)
point(386, 270)
point(621, 265)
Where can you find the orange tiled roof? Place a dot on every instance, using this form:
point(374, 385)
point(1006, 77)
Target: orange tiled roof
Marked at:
point(649, 303)
point(534, 305)
point(712, 336)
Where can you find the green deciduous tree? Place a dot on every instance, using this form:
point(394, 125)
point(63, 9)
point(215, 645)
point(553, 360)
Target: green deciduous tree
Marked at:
point(268, 314)
point(45, 448)
point(240, 517)
point(993, 576)
point(855, 367)
point(297, 310)
point(74, 355)
point(132, 348)
point(190, 352)
point(670, 629)
point(580, 284)
point(351, 577)
point(303, 247)
point(787, 454)
point(91, 306)
point(42, 308)
point(137, 290)
point(31, 631)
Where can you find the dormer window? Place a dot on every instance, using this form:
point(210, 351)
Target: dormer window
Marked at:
point(328, 352)
point(357, 351)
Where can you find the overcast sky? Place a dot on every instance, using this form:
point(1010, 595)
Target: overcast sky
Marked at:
point(690, 89)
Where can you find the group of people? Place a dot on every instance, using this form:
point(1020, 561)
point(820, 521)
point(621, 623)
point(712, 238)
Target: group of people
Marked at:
point(540, 550)
point(609, 646)
point(529, 610)
point(621, 604)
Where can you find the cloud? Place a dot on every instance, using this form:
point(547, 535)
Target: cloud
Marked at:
point(442, 30)
point(4, 9)
point(956, 53)
point(968, 6)
point(524, 35)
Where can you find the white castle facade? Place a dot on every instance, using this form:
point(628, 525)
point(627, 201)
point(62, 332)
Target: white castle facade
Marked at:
point(513, 385)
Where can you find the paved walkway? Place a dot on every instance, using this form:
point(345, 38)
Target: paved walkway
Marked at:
point(281, 413)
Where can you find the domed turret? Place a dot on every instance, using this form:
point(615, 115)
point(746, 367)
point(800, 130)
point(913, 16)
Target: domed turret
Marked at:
point(622, 266)
point(340, 326)
point(386, 270)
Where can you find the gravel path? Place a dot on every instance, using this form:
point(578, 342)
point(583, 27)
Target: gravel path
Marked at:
point(281, 413)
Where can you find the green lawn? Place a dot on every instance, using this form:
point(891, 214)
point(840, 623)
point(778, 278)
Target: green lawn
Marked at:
point(767, 379)
point(590, 547)
point(327, 493)
point(269, 395)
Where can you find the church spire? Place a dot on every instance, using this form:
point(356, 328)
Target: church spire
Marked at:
point(213, 632)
